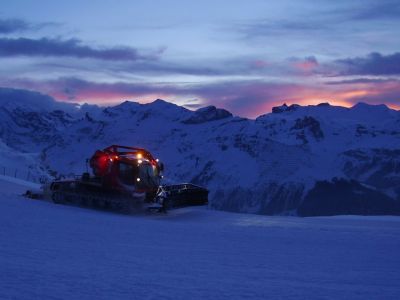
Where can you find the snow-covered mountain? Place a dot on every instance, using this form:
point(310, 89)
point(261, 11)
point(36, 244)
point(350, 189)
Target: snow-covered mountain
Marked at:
point(306, 160)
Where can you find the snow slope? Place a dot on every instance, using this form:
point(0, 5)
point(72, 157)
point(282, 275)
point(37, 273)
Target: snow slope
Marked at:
point(49, 251)
point(271, 165)
point(20, 165)
point(283, 163)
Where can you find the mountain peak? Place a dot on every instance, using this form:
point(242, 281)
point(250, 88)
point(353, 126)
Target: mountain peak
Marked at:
point(158, 100)
point(324, 104)
point(284, 108)
point(162, 103)
point(363, 105)
point(127, 104)
point(208, 113)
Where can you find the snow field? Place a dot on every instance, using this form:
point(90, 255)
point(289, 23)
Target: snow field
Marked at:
point(50, 251)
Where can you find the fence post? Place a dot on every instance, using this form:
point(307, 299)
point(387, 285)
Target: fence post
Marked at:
point(15, 175)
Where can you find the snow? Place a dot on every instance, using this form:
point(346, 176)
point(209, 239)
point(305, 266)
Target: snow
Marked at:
point(268, 165)
point(50, 251)
point(234, 157)
point(19, 182)
point(20, 165)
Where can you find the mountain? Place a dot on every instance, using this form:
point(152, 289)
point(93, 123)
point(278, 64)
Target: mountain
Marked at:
point(297, 160)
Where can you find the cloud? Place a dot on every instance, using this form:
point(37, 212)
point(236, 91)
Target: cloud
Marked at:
point(238, 66)
point(78, 90)
point(324, 22)
point(14, 25)
point(45, 47)
point(267, 28)
point(248, 98)
point(252, 98)
point(243, 97)
point(373, 64)
point(379, 10)
point(373, 92)
point(361, 80)
point(306, 65)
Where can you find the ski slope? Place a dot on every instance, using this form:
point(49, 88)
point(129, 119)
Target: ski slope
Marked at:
point(50, 251)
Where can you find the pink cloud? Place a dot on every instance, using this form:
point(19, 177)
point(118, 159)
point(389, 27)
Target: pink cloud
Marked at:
point(306, 65)
point(258, 64)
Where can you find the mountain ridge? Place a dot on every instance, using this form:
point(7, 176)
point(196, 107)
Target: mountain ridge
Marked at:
point(274, 164)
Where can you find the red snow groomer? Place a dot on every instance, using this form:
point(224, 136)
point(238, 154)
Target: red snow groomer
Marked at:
point(127, 168)
point(125, 179)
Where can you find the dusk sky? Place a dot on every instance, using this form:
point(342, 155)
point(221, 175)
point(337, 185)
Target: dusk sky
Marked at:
point(245, 56)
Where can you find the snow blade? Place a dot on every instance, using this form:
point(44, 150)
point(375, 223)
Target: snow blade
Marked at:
point(181, 195)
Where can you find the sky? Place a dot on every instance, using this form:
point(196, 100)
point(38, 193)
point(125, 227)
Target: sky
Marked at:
point(245, 56)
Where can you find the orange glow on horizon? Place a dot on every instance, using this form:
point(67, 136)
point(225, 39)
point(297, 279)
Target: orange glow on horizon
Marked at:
point(352, 94)
point(306, 97)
